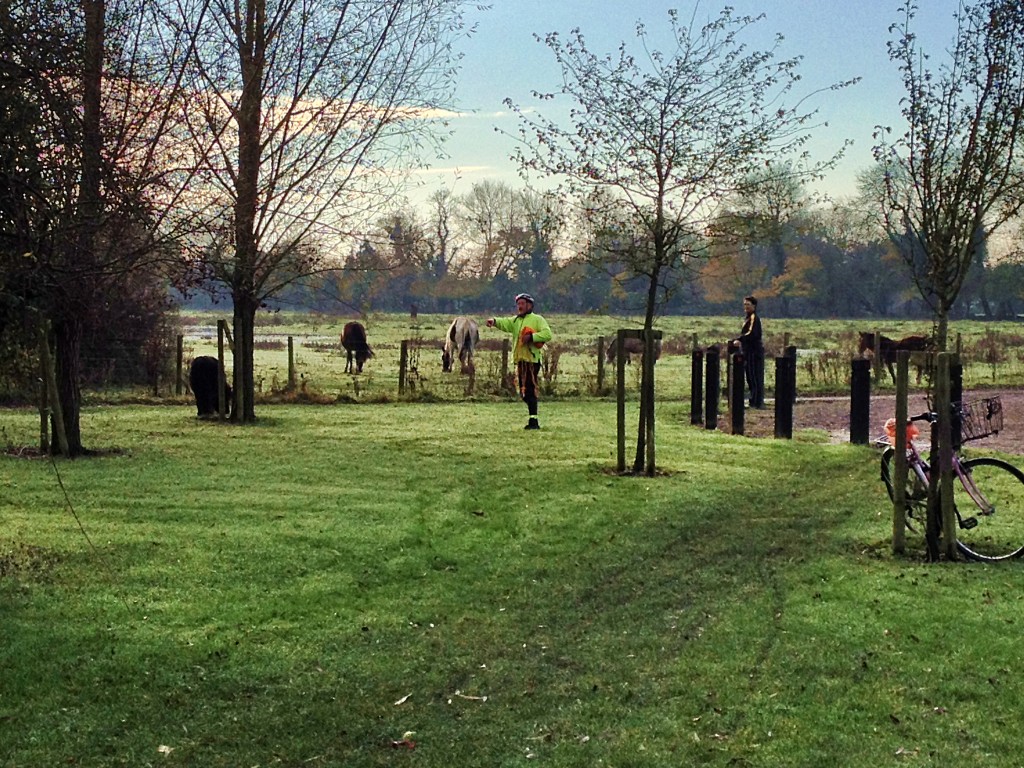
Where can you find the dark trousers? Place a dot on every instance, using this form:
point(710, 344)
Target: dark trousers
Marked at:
point(527, 374)
point(753, 370)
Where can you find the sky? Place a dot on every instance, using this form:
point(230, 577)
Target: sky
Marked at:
point(837, 39)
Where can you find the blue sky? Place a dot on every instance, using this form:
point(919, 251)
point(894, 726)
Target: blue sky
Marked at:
point(838, 40)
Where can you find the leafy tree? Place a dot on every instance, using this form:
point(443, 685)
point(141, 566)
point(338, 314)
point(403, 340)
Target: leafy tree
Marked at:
point(655, 143)
point(768, 213)
point(296, 112)
point(956, 171)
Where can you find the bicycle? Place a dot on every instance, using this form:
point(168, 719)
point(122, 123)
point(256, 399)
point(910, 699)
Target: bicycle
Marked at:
point(988, 493)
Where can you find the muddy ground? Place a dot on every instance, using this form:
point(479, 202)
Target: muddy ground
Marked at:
point(833, 414)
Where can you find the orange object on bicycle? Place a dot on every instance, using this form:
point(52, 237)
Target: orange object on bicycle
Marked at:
point(890, 431)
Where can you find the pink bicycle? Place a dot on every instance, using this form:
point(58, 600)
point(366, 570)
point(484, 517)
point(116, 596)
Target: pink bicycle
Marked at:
point(988, 493)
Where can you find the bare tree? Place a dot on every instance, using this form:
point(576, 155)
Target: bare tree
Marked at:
point(88, 179)
point(656, 141)
point(955, 174)
point(491, 214)
point(298, 111)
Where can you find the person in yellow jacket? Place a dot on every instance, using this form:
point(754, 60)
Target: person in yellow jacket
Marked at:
point(530, 332)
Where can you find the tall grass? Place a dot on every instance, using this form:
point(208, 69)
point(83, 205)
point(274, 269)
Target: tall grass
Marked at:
point(366, 585)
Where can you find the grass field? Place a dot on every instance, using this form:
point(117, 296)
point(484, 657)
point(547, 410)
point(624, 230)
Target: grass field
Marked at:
point(427, 584)
point(991, 352)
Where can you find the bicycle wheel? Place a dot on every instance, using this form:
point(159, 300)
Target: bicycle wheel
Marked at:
point(992, 531)
point(916, 494)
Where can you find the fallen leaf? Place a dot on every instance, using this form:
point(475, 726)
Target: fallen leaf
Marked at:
point(164, 750)
point(403, 700)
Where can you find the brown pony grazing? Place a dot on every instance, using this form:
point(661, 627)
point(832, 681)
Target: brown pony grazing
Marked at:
point(463, 336)
point(353, 339)
point(888, 348)
point(633, 347)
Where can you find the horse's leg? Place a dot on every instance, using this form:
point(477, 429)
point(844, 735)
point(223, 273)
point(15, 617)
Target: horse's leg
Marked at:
point(892, 372)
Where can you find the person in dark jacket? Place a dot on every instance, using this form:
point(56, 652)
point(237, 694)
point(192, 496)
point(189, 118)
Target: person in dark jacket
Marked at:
point(753, 352)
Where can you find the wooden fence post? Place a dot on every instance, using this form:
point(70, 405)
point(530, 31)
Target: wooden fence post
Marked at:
point(784, 377)
point(222, 332)
point(899, 463)
point(860, 401)
point(876, 360)
point(648, 363)
point(712, 388)
point(943, 407)
point(736, 402)
point(507, 385)
point(403, 366)
point(291, 363)
point(179, 365)
point(620, 401)
point(697, 386)
point(790, 353)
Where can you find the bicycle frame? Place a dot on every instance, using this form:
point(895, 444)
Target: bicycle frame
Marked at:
point(999, 537)
point(917, 464)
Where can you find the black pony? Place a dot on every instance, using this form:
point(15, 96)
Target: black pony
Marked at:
point(353, 339)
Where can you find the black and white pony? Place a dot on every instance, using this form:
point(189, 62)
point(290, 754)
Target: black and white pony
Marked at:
point(462, 338)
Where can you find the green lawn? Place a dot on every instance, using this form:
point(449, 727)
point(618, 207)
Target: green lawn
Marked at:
point(427, 584)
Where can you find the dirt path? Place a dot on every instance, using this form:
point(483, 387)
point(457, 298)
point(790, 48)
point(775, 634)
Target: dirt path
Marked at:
point(833, 415)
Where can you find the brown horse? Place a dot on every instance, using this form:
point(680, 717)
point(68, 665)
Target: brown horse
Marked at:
point(632, 347)
point(887, 349)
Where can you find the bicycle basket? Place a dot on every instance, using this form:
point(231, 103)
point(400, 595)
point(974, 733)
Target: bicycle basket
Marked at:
point(980, 418)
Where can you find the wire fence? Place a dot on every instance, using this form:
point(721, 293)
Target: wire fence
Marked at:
point(316, 365)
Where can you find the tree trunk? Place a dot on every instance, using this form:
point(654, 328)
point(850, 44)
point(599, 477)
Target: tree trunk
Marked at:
point(941, 328)
point(643, 434)
point(68, 337)
point(243, 380)
point(67, 328)
point(244, 291)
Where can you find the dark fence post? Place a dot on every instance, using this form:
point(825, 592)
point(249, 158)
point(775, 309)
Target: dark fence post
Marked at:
point(507, 384)
point(790, 353)
point(712, 388)
point(291, 362)
point(697, 386)
point(860, 401)
point(178, 365)
point(600, 364)
point(736, 402)
point(620, 400)
point(784, 378)
point(403, 366)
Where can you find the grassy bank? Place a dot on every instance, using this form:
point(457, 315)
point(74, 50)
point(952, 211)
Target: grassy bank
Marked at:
point(366, 585)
